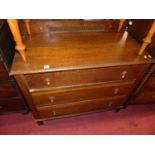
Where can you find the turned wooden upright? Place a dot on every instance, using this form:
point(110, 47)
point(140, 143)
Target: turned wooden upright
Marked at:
point(27, 24)
point(21, 47)
point(148, 39)
point(14, 27)
point(121, 23)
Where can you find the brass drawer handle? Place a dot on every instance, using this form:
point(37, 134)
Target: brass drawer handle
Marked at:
point(116, 90)
point(109, 104)
point(153, 96)
point(123, 74)
point(41, 28)
point(51, 98)
point(54, 112)
point(48, 81)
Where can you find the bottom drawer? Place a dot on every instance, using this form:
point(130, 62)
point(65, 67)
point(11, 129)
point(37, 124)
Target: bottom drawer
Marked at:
point(80, 107)
point(11, 105)
point(145, 97)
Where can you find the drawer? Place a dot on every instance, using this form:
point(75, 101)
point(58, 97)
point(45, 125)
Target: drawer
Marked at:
point(8, 89)
point(82, 77)
point(11, 105)
point(145, 97)
point(3, 73)
point(80, 107)
point(80, 94)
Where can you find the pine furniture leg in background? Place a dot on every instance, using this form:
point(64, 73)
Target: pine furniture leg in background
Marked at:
point(121, 23)
point(20, 46)
point(147, 40)
point(27, 24)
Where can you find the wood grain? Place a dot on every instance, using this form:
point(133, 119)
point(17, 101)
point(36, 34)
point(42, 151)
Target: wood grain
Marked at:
point(80, 107)
point(77, 51)
point(57, 80)
point(64, 96)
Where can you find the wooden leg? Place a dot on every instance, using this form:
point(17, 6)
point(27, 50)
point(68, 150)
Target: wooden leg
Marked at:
point(121, 23)
point(25, 112)
point(27, 24)
point(117, 110)
point(20, 47)
point(40, 122)
point(148, 39)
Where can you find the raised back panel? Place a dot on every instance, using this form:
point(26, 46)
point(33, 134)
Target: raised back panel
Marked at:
point(66, 25)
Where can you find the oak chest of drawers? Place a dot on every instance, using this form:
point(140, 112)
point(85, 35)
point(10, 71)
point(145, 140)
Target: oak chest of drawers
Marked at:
point(52, 95)
point(11, 98)
point(68, 74)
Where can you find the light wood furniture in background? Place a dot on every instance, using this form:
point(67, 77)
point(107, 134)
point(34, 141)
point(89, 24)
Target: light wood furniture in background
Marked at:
point(27, 24)
point(121, 23)
point(148, 39)
point(20, 46)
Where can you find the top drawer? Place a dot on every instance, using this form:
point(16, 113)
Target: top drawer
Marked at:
point(72, 78)
point(3, 73)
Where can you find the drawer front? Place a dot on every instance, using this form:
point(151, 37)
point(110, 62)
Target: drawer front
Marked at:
point(83, 77)
point(145, 97)
point(3, 73)
point(11, 105)
point(8, 89)
point(80, 107)
point(81, 94)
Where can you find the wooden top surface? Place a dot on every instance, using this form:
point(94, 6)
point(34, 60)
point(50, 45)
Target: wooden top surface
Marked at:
point(68, 51)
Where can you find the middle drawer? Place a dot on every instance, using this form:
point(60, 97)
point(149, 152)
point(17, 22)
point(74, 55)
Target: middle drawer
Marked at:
point(62, 96)
point(63, 79)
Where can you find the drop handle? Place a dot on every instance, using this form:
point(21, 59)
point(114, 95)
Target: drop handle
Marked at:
point(123, 74)
point(51, 98)
point(116, 91)
point(48, 81)
point(109, 104)
point(41, 28)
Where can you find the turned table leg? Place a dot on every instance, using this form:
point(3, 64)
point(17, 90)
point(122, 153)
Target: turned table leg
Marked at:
point(147, 40)
point(20, 46)
point(27, 24)
point(121, 23)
